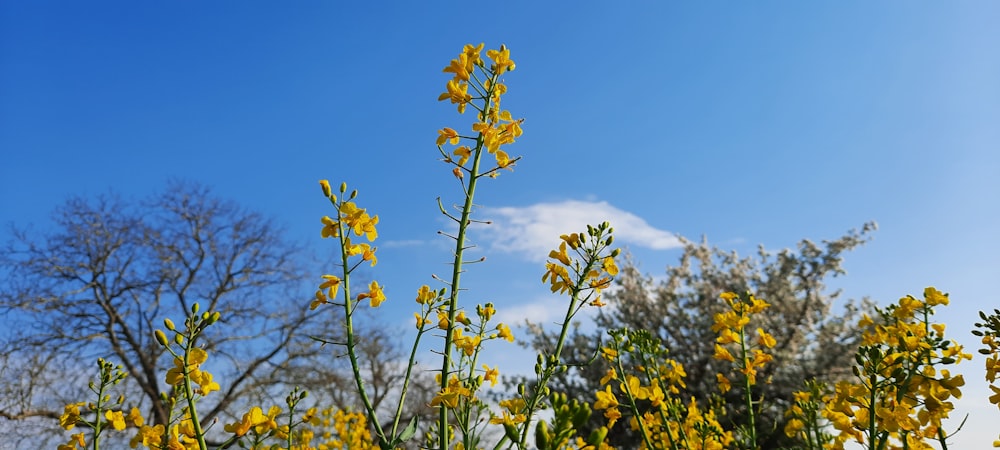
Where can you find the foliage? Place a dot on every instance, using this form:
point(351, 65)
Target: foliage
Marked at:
point(812, 340)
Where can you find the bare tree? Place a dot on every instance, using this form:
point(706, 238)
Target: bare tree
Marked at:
point(814, 339)
point(109, 271)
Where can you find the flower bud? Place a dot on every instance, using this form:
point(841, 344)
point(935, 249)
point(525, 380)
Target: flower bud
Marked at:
point(325, 185)
point(169, 324)
point(161, 337)
point(343, 187)
point(179, 339)
point(194, 308)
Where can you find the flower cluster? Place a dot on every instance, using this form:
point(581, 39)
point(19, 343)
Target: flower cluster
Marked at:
point(731, 326)
point(989, 331)
point(104, 413)
point(650, 386)
point(901, 394)
point(495, 127)
point(350, 220)
point(590, 271)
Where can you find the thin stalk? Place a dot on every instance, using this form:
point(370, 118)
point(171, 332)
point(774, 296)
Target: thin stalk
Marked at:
point(189, 395)
point(349, 326)
point(747, 393)
point(548, 372)
point(406, 383)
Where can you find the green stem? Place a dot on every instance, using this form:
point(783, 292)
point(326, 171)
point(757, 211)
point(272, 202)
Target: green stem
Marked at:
point(349, 327)
point(747, 390)
point(632, 405)
point(406, 383)
point(100, 406)
point(189, 394)
point(549, 370)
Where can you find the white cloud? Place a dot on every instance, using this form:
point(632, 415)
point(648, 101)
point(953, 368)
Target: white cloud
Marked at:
point(533, 230)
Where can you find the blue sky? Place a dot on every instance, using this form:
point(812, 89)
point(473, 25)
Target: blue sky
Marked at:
point(758, 123)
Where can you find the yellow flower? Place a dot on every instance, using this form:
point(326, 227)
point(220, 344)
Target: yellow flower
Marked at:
point(491, 375)
point(135, 417)
point(561, 254)
point(74, 441)
point(463, 153)
point(447, 135)
point(148, 436)
point(793, 427)
point(459, 67)
point(608, 376)
point(609, 266)
point(503, 332)
point(501, 60)
point(724, 384)
point(205, 384)
point(722, 354)
point(468, 344)
point(71, 415)
point(450, 395)
point(606, 399)
point(332, 284)
point(319, 299)
point(116, 419)
point(331, 228)
point(457, 92)
point(765, 339)
point(325, 185)
point(425, 295)
point(935, 297)
point(374, 294)
point(472, 57)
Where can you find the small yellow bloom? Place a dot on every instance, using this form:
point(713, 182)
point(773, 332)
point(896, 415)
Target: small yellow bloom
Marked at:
point(135, 417)
point(71, 415)
point(457, 92)
point(724, 384)
point(459, 67)
point(722, 354)
point(332, 284)
point(560, 254)
point(463, 153)
point(374, 294)
point(606, 399)
point(765, 339)
point(425, 295)
point(491, 375)
point(331, 228)
point(501, 60)
point(503, 332)
point(447, 135)
point(116, 419)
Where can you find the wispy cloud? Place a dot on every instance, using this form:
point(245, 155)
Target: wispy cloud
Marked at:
point(531, 231)
point(403, 243)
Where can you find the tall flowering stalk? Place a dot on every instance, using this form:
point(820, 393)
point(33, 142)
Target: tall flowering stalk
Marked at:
point(582, 267)
point(751, 353)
